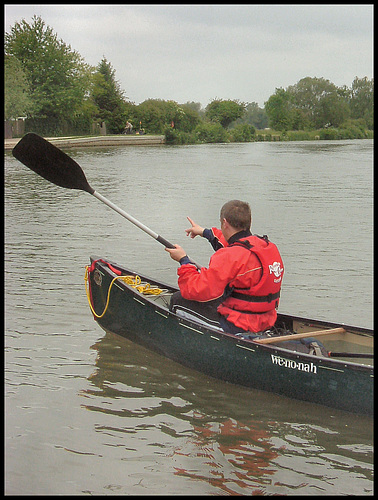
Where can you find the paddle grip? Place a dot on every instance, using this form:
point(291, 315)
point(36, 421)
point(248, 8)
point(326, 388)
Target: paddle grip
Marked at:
point(164, 242)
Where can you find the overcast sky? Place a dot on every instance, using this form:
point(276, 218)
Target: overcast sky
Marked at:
point(202, 52)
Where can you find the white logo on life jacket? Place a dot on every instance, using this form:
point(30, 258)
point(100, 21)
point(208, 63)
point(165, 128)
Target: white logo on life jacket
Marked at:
point(276, 269)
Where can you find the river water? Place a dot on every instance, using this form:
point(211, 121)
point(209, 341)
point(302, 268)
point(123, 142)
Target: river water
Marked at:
point(88, 413)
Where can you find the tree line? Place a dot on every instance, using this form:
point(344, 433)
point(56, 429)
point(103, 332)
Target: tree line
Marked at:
point(51, 85)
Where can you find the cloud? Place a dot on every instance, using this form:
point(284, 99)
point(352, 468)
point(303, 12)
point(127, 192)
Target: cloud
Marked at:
point(199, 52)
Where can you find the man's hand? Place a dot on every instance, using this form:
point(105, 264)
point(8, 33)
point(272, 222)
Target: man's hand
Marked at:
point(176, 253)
point(195, 230)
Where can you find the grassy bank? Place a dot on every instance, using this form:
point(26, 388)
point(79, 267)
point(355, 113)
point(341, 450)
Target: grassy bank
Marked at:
point(215, 133)
point(313, 135)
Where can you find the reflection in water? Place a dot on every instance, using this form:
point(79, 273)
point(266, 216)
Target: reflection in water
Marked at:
point(121, 420)
point(235, 457)
point(233, 440)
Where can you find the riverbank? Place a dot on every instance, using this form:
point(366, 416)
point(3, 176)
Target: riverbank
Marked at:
point(177, 138)
point(98, 141)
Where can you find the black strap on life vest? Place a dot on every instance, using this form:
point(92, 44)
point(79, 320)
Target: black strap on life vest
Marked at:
point(246, 244)
point(255, 298)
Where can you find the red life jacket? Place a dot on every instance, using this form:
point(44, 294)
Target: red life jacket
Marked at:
point(264, 296)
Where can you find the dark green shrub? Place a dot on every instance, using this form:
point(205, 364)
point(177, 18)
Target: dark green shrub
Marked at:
point(298, 135)
point(176, 137)
point(329, 133)
point(210, 132)
point(242, 133)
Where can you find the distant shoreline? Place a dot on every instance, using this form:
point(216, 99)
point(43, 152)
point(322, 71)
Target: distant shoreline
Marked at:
point(157, 140)
point(98, 141)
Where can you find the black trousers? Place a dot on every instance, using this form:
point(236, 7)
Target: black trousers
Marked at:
point(203, 311)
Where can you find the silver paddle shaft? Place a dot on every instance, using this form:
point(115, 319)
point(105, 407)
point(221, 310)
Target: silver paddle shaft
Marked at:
point(141, 226)
point(126, 215)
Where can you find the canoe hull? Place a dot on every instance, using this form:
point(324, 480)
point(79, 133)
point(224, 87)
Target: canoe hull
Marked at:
point(223, 356)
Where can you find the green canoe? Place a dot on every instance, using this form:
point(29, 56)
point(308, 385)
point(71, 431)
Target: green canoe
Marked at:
point(334, 367)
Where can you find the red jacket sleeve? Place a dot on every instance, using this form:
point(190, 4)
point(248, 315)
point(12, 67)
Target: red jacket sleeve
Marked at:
point(210, 283)
point(219, 236)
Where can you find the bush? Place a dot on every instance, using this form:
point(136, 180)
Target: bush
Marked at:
point(350, 131)
point(56, 127)
point(329, 134)
point(298, 135)
point(210, 132)
point(175, 137)
point(354, 129)
point(242, 133)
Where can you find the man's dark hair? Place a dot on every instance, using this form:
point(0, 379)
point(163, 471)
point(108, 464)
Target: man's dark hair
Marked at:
point(238, 214)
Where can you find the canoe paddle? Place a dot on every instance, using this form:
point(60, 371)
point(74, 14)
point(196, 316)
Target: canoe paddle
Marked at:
point(50, 162)
point(295, 336)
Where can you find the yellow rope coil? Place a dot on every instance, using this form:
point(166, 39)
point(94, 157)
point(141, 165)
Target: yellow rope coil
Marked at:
point(133, 281)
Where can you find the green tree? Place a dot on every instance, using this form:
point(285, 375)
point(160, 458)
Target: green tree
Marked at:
point(195, 106)
point(188, 119)
point(152, 115)
point(319, 102)
point(253, 115)
point(172, 113)
point(108, 97)
point(362, 100)
point(300, 119)
point(224, 111)
point(279, 110)
point(331, 111)
point(157, 114)
point(17, 101)
point(56, 74)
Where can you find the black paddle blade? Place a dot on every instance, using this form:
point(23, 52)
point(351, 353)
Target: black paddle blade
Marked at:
point(50, 162)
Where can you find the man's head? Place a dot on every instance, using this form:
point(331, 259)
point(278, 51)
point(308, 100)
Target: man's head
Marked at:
point(237, 214)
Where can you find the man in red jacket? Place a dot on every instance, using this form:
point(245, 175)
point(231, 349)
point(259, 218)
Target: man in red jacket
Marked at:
point(240, 288)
